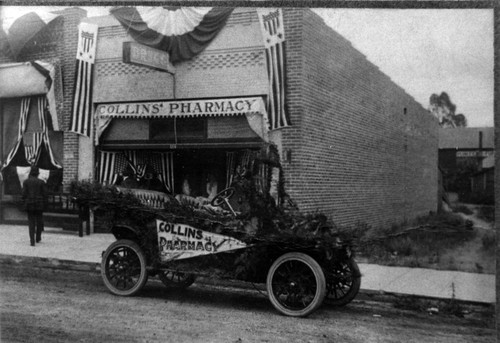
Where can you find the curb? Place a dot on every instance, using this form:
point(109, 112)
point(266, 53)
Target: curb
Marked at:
point(92, 267)
point(50, 263)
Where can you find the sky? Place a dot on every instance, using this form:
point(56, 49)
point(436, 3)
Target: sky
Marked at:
point(428, 51)
point(424, 51)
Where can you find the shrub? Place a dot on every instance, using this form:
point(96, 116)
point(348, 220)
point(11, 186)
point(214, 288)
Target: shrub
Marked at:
point(424, 239)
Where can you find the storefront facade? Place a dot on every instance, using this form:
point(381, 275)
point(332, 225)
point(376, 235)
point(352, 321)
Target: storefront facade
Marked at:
point(356, 147)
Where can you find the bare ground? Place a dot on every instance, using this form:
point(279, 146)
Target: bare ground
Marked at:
point(41, 305)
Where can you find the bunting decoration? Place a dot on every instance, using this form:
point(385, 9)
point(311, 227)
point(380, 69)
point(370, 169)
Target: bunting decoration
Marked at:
point(107, 162)
point(183, 32)
point(82, 95)
point(39, 152)
point(164, 164)
point(48, 71)
point(31, 151)
point(15, 35)
point(19, 145)
point(112, 164)
point(273, 31)
point(45, 157)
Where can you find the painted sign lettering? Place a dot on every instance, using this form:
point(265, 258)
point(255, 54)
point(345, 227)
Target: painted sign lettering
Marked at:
point(184, 108)
point(180, 241)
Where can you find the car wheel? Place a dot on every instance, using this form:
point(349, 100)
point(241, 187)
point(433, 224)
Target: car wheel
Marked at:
point(296, 284)
point(343, 282)
point(123, 268)
point(173, 279)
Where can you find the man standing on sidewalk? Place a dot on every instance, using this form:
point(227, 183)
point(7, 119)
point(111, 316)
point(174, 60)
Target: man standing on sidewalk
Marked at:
point(35, 200)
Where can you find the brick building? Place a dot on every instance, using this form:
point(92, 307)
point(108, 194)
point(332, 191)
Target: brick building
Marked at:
point(359, 148)
point(467, 160)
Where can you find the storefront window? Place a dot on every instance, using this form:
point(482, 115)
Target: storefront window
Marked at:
point(181, 129)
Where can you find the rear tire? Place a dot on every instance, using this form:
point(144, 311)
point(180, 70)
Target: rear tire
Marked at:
point(176, 279)
point(296, 285)
point(343, 283)
point(123, 268)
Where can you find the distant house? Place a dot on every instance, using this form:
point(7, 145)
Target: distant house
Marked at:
point(466, 159)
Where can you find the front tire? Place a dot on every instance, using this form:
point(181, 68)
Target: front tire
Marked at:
point(123, 268)
point(296, 285)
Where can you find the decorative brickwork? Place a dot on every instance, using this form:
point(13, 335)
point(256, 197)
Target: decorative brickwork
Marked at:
point(208, 61)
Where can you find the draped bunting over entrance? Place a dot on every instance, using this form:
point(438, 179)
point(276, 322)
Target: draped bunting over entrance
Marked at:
point(183, 32)
point(40, 152)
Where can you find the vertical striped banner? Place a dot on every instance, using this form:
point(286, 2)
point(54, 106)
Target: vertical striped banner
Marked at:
point(273, 32)
point(81, 118)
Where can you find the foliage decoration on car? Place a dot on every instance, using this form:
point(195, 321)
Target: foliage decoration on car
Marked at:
point(268, 221)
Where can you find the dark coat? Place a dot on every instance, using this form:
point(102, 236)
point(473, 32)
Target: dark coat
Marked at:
point(34, 194)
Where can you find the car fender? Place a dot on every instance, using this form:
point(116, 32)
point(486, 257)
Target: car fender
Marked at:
point(125, 232)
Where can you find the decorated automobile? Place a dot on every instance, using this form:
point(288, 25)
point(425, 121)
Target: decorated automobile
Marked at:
point(243, 233)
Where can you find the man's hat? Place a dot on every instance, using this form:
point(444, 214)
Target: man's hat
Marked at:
point(34, 171)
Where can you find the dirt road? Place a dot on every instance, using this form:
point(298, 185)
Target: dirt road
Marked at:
point(43, 305)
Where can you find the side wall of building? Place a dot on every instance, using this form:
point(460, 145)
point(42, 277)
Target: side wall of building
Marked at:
point(363, 150)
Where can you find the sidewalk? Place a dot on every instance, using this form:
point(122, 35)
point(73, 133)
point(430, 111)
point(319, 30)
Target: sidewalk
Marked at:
point(61, 247)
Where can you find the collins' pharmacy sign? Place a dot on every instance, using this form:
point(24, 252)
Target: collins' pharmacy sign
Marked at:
point(183, 108)
point(179, 241)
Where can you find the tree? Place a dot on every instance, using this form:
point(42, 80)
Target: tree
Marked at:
point(442, 107)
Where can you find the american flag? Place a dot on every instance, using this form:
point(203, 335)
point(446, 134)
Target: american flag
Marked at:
point(82, 97)
point(272, 27)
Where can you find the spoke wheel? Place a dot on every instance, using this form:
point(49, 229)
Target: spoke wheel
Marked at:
point(296, 284)
point(173, 279)
point(123, 268)
point(343, 283)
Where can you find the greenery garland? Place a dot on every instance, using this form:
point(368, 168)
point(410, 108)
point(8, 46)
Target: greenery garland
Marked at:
point(267, 223)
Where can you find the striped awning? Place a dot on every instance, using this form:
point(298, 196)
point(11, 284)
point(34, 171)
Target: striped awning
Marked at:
point(253, 108)
point(183, 109)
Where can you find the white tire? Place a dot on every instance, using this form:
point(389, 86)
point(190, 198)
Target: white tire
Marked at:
point(296, 285)
point(123, 268)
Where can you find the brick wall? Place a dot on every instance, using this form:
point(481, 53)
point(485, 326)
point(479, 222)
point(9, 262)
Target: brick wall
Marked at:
point(232, 65)
point(67, 48)
point(362, 149)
